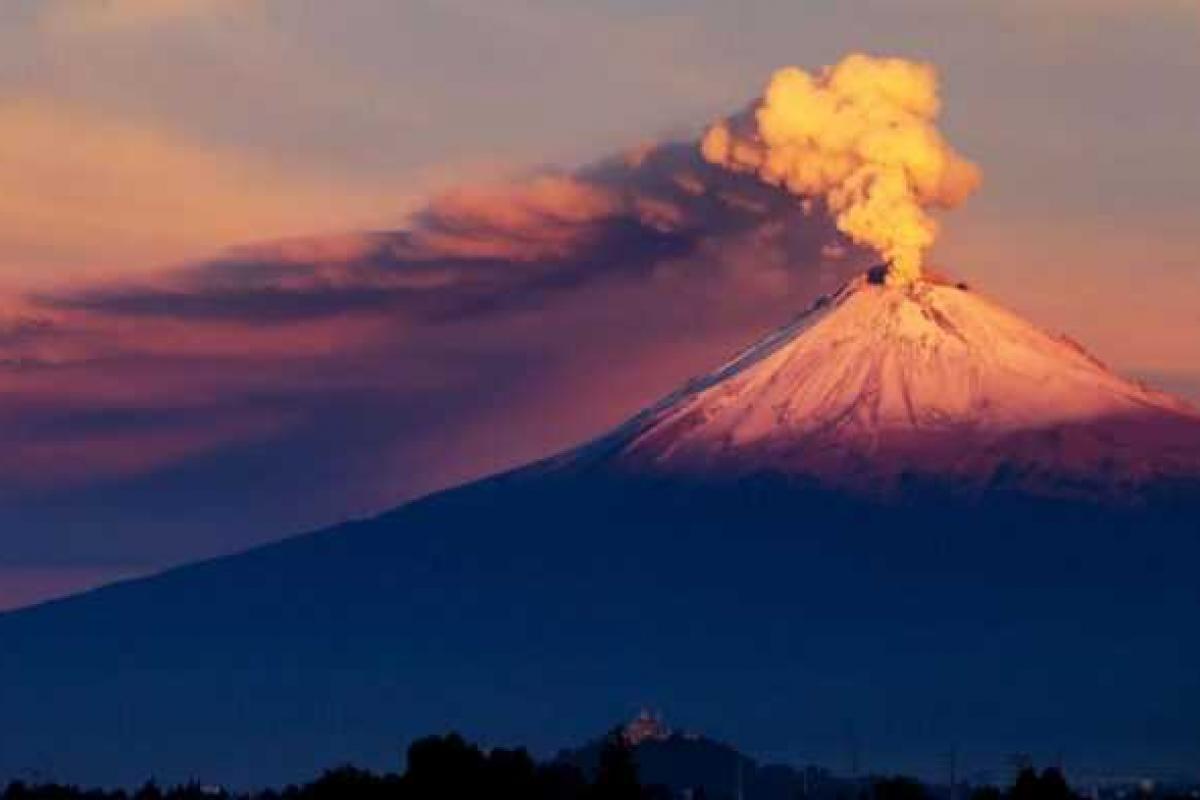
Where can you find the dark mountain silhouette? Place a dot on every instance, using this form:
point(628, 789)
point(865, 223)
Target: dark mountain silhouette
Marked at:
point(817, 537)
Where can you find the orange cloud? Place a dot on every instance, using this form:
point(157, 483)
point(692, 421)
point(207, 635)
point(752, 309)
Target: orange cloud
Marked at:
point(84, 193)
point(543, 217)
point(113, 15)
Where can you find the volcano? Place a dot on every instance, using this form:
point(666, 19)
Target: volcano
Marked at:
point(877, 386)
point(909, 514)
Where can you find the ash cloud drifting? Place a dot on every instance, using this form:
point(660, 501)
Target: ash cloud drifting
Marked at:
point(290, 384)
point(482, 249)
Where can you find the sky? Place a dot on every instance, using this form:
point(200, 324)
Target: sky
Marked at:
point(268, 264)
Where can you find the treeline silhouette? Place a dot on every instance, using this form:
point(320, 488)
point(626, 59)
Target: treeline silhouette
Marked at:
point(448, 767)
point(441, 767)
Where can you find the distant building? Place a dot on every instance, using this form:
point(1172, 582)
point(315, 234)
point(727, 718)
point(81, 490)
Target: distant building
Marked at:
point(646, 726)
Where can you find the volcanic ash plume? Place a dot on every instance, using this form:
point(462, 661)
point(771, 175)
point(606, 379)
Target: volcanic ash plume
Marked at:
point(861, 136)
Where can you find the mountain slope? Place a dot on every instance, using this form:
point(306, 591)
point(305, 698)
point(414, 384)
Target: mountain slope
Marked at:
point(877, 382)
point(726, 555)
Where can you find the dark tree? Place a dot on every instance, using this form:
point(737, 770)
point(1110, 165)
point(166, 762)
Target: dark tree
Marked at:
point(514, 770)
point(345, 781)
point(1049, 785)
point(617, 775)
point(149, 791)
point(444, 766)
point(898, 788)
point(986, 793)
point(1026, 786)
point(561, 782)
point(1053, 786)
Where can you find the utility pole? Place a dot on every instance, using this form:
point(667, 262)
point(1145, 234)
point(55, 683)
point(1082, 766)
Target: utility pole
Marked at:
point(954, 773)
point(1019, 762)
point(852, 747)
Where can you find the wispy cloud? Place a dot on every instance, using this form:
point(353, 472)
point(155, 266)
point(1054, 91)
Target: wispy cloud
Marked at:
point(93, 194)
point(101, 16)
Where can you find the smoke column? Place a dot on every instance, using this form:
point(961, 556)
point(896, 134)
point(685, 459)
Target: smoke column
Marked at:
point(861, 136)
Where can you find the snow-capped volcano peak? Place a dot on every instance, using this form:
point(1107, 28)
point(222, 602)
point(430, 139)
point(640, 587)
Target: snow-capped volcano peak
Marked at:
point(876, 382)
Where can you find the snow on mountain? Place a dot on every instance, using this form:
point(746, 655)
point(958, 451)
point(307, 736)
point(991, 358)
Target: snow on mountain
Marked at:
point(877, 383)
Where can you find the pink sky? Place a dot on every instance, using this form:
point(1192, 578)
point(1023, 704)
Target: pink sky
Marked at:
point(137, 136)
